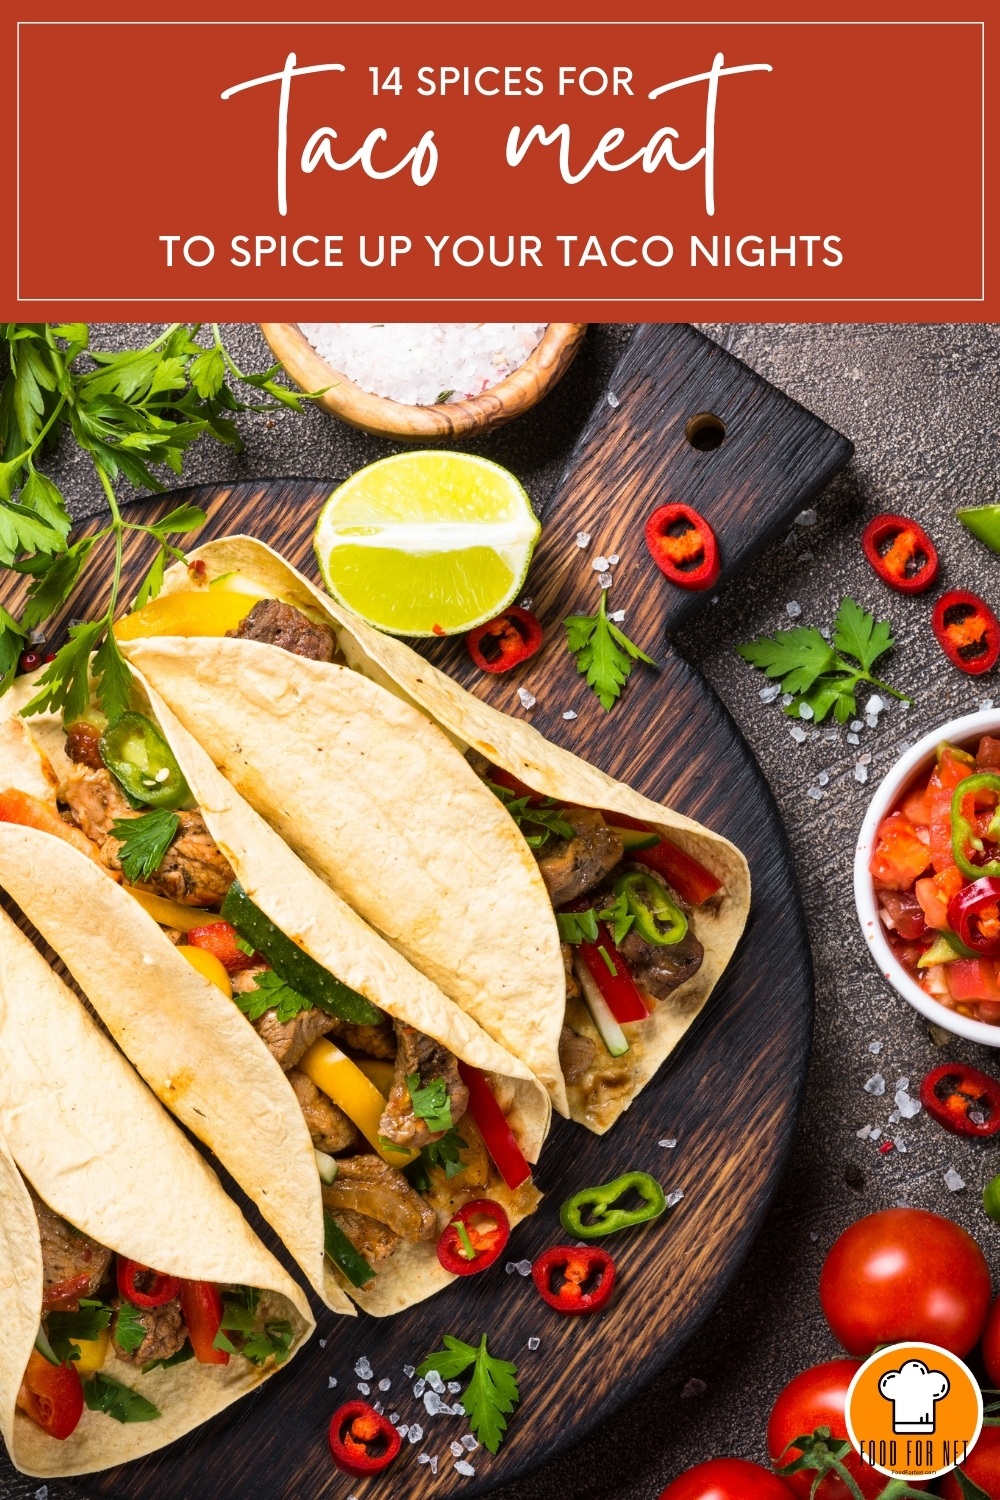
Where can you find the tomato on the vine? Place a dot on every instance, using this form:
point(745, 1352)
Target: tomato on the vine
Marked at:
point(982, 1466)
point(727, 1479)
point(903, 1275)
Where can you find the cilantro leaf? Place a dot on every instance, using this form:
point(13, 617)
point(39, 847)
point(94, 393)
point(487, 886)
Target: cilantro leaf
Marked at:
point(577, 926)
point(145, 840)
point(272, 993)
point(273, 1341)
point(63, 1328)
point(492, 1392)
point(621, 917)
point(545, 814)
point(116, 1400)
point(857, 634)
point(431, 1103)
point(239, 1316)
point(603, 652)
point(129, 1330)
point(445, 1155)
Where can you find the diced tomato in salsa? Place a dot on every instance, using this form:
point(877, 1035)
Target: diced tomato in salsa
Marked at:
point(904, 911)
point(899, 857)
point(973, 979)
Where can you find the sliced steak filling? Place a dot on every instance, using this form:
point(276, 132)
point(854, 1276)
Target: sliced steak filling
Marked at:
point(329, 1127)
point(166, 1332)
point(419, 1054)
point(576, 1054)
point(658, 970)
point(572, 867)
point(73, 1265)
point(373, 1240)
point(368, 1185)
point(278, 624)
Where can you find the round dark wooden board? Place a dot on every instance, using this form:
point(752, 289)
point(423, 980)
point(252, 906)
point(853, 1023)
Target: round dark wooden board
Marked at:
point(729, 1095)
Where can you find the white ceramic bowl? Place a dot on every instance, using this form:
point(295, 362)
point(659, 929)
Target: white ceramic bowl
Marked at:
point(958, 731)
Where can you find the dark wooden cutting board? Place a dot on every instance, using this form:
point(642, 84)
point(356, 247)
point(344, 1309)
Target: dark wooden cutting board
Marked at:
point(682, 420)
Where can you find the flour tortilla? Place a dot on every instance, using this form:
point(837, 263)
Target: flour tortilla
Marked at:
point(200, 1055)
point(79, 1125)
point(345, 765)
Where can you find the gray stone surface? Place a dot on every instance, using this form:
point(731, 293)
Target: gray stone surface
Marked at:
point(921, 403)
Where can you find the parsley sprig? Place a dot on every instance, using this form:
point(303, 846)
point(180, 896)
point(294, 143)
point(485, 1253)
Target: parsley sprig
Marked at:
point(818, 673)
point(272, 993)
point(85, 1323)
point(145, 841)
point(581, 926)
point(444, 1154)
point(603, 652)
point(130, 1330)
point(431, 1103)
point(491, 1393)
point(121, 1402)
point(239, 1316)
point(544, 815)
point(132, 413)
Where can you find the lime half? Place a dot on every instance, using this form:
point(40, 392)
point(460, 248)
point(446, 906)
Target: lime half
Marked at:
point(427, 543)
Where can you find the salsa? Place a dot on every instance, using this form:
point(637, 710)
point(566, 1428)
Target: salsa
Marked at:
point(934, 867)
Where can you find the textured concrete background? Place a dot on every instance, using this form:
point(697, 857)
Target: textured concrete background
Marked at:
point(921, 404)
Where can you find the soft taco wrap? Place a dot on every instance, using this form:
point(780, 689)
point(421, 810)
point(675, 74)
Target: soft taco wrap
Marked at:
point(355, 1104)
point(102, 1359)
point(452, 828)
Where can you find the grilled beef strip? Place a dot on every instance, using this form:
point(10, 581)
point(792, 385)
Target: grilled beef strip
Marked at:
point(576, 1054)
point(662, 970)
point(416, 1053)
point(572, 867)
point(329, 1127)
point(572, 983)
point(67, 1254)
point(373, 1240)
point(279, 624)
point(368, 1186)
point(166, 1332)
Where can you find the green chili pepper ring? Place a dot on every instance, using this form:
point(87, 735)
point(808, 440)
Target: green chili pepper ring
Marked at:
point(605, 1218)
point(963, 836)
point(140, 759)
point(658, 918)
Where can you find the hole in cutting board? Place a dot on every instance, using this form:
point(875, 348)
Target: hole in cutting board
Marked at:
point(705, 431)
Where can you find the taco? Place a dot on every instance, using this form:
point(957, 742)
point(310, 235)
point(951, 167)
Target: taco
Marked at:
point(355, 1104)
point(104, 1359)
point(475, 836)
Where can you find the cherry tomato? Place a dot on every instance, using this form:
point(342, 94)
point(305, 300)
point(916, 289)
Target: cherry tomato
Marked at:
point(817, 1398)
point(991, 1345)
point(982, 1466)
point(52, 1396)
point(905, 1274)
point(727, 1479)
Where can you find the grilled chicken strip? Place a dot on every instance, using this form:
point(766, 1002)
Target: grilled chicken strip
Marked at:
point(416, 1053)
point(368, 1185)
point(67, 1256)
point(572, 867)
point(166, 1333)
point(278, 624)
point(329, 1127)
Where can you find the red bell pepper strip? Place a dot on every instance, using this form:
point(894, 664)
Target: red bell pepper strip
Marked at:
point(901, 553)
point(31, 812)
point(616, 985)
point(362, 1441)
point(690, 879)
point(488, 1117)
point(223, 941)
point(201, 1304)
point(683, 546)
point(474, 1238)
point(967, 631)
point(143, 1287)
point(507, 641)
point(962, 1099)
point(574, 1280)
point(974, 917)
point(66, 1294)
point(52, 1396)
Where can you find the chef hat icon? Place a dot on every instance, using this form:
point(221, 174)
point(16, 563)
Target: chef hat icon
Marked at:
point(913, 1390)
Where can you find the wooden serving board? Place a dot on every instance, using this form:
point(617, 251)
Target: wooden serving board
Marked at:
point(729, 1095)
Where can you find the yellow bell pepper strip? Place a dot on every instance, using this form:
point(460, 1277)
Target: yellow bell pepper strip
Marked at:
point(208, 966)
point(380, 1072)
point(31, 812)
point(171, 913)
point(343, 1081)
point(202, 613)
point(93, 1353)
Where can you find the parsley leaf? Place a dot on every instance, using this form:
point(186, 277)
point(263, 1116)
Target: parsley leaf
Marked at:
point(492, 1392)
point(12, 643)
point(63, 1328)
point(432, 1103)
point(444, 1154)
point(184, 1353)
point(116, 1400)
point(621, 918)
point(603, 652)
point(818, 673)
point(145, 841)
point(545, 814)
point(129, 1329)
point(239, 1315)
point(577, 926)
point(274, 1340)
point(274, 994)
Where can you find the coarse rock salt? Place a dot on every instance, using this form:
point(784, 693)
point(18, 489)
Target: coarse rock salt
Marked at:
point(813, 1236)
point(322, 1343)
point(394, 1417)
point(613, 399)
point(861, 773)
point(605, 580)
point(432, 1403)
point(871, 720)
point(672, 1199)
point(856, 724)
point(853, 739)
point(805, 711)
point(902, 1083)
point(863, 1133)
point(523, 1267)
point(583, 539)
point(331, 1382)
point(469, 1443)
point(363, 1369)
point(815, 792)
point(875, 1085)
point(456, 1449)
point(806, 517)
point(454, 1386)
point(570, 713)
point(416, 1432)
point(458, 1410)
point(798, 735)
point(768, 694)
point(419, 1388)
point(599, 564)
point(668, 1142)
point(42, 1492)
point(409, 1371)
point(384, 1384)
point(613, 558)
point(510, 1266)
point(786, 699)
point(464, 1468)
point(984, 703)
point(378, 1407)
point(823, 778)
point(435, 1382)
point(875, 1133)
point(419, 363)
point(904, 746)
point(804, 557)
point(953, 1182)
point(793, 609)
point(364, 1388)
point(899, 1143)
point(403, 1430)
point(533, 1344)
point(875, 704)
point(875, 1047)
point(618, 616)
point(528, 700)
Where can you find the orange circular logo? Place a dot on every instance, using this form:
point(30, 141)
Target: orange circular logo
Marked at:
point(914, 1411)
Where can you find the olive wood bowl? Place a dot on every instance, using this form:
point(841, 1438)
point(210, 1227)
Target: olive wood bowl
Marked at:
point(517, 393)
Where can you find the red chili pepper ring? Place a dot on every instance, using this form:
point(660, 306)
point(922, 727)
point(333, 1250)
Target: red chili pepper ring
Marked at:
point(474, 1238)
point(574, 1280)
point(901, 553)
point(361, 1441)
point(505, 642)
point(967, 631)
point(683, 546)
point(962, 1099)
point(974, 918)
point(143, 1287)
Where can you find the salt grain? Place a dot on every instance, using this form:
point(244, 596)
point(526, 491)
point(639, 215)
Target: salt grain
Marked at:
point(786, 699)
point(434, 1463)
point(605, 580)
point(904, 746)
point(805, 711)
point(454, 1387)
point(902, 1083)
point(363, 1369)
point(416, 1432)
point(875, 1085)
point(899, 1143)
point(570, 713)
point(331, 1383)
point(599, 564)
point(863, 1133)
point(435, 1382)
point(378, 1407)
point(613, 399)
point(768, 694)
point(618, 616)
point(668, 1142)
point(614, 558)
point(815, 792)
point(908, 1107)
point(533, 1344)
point(793, 609)
point(806, 518)
point(432, 1403)
point(953, 1182)
point(528, 700)
point(672, 1199)
point(364, 1388)
point(823, 778)
point(469, 1443)
point(853, 739)
point(384, 1385)
point(510, 1266)
point(418, 363)
point(875, 1047)
point(985, 703)
point(408, 1371)
point(42, 1493)
point(871, 720)
point(322, 1343)
point(813, 1236)
point(798, 735)
point(523, 1267)
point(456, 1448)
point(403, 1430)
point(423, 1458)
point(856, 724)
point(804, 557)
point(583, 539)
point(861, 773)
point(394, 1417)
point(419, 1388)
point(464, 1468)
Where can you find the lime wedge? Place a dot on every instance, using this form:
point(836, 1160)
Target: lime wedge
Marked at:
point(427, 543)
